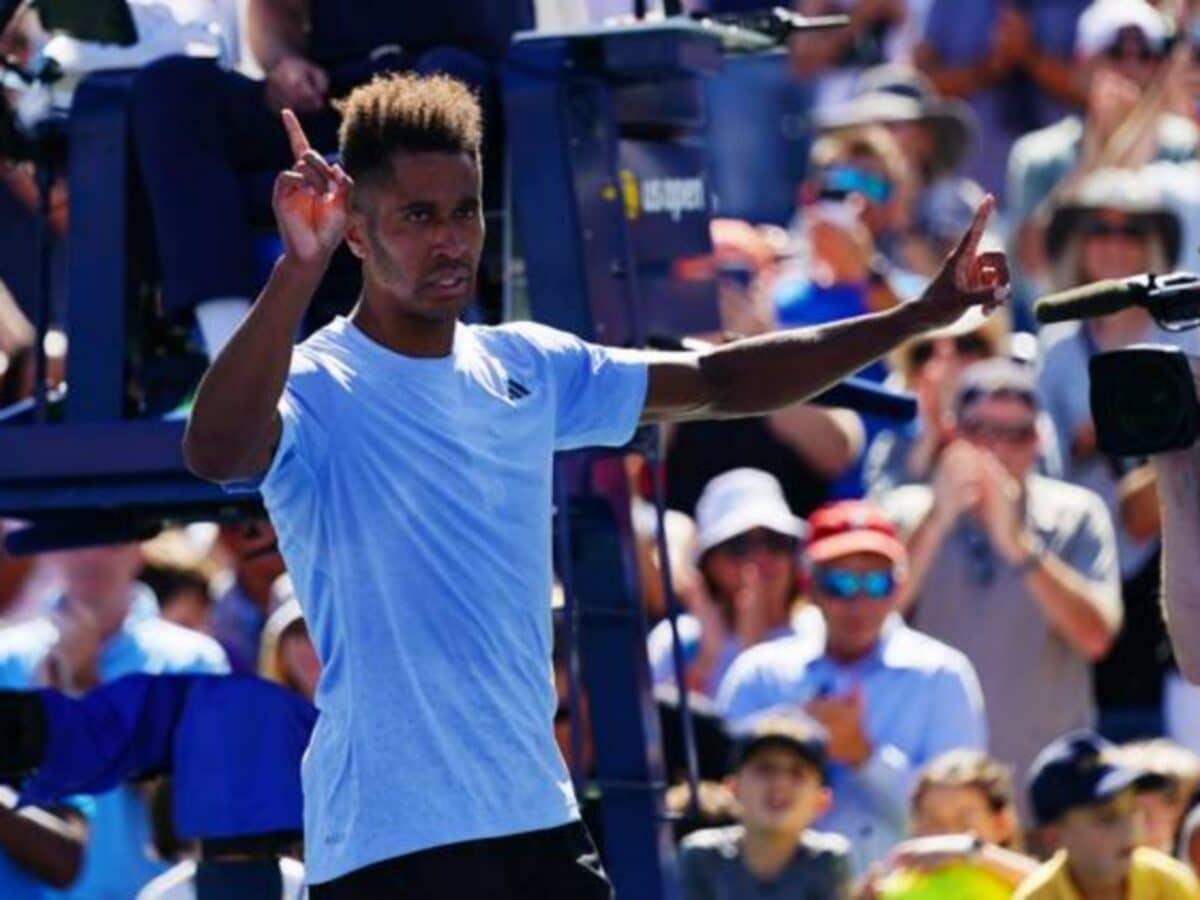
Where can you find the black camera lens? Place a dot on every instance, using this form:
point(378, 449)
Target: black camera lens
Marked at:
point(1143, 401)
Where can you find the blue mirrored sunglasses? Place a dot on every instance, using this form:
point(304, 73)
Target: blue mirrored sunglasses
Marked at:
point(843, 584)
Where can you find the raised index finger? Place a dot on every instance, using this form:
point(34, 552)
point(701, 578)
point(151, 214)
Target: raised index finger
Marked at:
point(970, 240)
point(295, 134)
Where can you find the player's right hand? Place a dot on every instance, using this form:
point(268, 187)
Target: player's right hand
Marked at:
point(311, 201)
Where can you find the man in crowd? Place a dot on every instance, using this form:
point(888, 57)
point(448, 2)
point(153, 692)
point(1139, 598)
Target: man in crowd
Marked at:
point(427, 445)
point(1017, 570)
point(890, 698)
point(245, 601)
point(748, 545)
point(105, 625)
point(1085, 801)
point(779, 783)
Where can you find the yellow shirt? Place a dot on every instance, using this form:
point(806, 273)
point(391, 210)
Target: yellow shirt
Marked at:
point(1152, 876)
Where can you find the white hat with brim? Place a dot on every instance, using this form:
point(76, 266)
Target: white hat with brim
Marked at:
point(1103, 21)
point(740, 501)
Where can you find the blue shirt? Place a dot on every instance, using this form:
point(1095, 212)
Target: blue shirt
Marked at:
point(116, 864)
point(412, 499)
point(921, 698)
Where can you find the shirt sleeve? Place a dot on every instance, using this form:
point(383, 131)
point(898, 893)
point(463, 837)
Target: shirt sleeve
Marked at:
point(1091, 550)
point(599, 392)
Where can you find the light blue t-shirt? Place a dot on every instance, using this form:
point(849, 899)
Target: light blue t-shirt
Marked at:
point(412, 499)
point(116, 864)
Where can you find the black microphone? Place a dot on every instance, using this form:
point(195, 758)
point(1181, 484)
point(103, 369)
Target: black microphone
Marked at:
point(1099, 299)
point(1172, 299)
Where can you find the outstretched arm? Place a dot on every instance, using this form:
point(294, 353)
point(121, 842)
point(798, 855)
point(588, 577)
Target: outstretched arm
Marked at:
point(234, 426)
point(757, 375)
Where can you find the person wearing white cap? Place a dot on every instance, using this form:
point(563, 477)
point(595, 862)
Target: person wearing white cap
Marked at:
point(747, 547)
point(1121, 49)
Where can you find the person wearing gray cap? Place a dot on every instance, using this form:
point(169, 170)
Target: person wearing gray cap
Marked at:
point(747, 546)
point(1016, 570)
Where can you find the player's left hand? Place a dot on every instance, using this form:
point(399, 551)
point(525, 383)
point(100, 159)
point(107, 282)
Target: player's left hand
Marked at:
point(967, 277)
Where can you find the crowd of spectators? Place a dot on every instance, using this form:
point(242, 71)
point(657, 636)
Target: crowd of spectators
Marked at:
point(904, 642)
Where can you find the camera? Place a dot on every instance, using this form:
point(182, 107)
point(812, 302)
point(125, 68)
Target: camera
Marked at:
point(1144, 400)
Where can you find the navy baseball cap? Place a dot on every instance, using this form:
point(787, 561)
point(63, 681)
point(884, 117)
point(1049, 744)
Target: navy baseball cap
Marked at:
point(1079, 769)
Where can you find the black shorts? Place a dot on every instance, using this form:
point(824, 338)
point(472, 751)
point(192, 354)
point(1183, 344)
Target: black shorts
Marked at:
point(537, 865)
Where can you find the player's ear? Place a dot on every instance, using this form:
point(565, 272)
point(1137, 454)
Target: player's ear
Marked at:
point(356, 229)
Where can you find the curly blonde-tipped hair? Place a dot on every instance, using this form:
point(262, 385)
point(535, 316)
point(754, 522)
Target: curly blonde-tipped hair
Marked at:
point(406, 113)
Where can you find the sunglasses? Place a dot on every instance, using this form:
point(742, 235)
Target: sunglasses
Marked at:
point(1130, 229)
point(745, 544)
point(1136, 52)
point(964, 345)
point(844, 584)
point(993, 431)
point(838, 182)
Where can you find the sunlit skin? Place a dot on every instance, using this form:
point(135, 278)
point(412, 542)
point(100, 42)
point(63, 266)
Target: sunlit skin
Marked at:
point(419, 233)
point(1099, 841)
point(955, 809)
point(780, 793)
point(853, 626)
point(728, 574)
point(997, 415)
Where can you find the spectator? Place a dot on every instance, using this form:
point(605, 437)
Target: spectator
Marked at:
point(891, 698)
point(179, 574)
point(805, 447)
point(288, 656)
point(875, 35)
point(1116, 226)
point(1086, 804)
point(40, 849)
point(929, 367)
point(220, 125)
point(1121, 47)
point(779, 784)
point(244, 600)
point(747, 549)
point(965, 833)
point(855, 204)
point(935, 136)
point(1016, 570)
point(1010, 61)
point(104, 626)
point(1163, 800)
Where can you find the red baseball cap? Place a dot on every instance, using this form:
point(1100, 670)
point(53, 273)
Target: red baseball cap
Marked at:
point(852, 526)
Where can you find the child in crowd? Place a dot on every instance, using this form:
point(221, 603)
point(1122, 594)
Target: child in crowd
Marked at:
point(1173, 776)
point(779, 782)
point(1086, 802)
point(966, 836)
